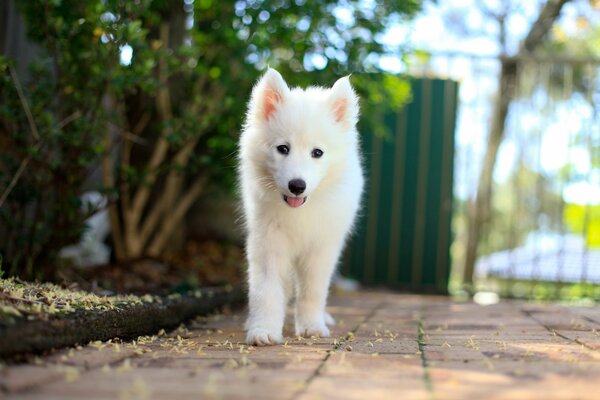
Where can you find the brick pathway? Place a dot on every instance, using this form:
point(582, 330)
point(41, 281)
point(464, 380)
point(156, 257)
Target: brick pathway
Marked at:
point(385, 346)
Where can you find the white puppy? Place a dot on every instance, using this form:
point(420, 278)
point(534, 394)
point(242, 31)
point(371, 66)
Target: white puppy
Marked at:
point(301, 183)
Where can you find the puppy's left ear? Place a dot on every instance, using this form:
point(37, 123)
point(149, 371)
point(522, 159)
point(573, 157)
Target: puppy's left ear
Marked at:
point(343, 102)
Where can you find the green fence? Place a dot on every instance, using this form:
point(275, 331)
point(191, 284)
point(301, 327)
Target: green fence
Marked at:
point(403, 236)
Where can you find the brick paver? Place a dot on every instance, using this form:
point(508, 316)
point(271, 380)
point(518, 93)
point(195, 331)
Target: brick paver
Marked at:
point(384, 346)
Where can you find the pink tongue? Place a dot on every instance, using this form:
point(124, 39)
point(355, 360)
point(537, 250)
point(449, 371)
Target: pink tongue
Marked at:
point(295, 201)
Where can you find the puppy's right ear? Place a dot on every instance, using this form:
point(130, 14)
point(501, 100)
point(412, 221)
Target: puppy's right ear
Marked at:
point(269, 93)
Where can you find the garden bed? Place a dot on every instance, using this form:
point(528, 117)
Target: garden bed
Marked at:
point(39, 317)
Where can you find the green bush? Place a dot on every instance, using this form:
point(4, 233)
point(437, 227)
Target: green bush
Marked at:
point(53, 131)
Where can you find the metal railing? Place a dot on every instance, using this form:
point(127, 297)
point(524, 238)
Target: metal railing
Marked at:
point(542, 234)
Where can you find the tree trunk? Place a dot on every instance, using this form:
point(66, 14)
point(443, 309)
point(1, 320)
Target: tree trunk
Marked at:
point(479, 211)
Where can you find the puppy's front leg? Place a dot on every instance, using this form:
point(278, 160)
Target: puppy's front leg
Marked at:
point(314, 277)
point(268, 297)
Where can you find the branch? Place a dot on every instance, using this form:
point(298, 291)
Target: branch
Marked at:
point(109, 181)
point(34, 132)
point(128, 139)
point(139, 128)
point(163, 105)
point(25, 104)
point(175, 177)
point(17, 175)
point(69, 119)
point(151, 221)
point(130, 136)
point(540, 27)
point(27, 159)
point(175, 218)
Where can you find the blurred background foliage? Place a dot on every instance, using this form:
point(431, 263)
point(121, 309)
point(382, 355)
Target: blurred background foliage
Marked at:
point(144, 100)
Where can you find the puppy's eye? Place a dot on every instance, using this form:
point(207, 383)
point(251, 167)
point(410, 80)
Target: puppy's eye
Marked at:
point(283, 149)
point(317, 153)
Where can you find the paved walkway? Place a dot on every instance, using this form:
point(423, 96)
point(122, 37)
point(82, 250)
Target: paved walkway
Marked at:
point(385, 346)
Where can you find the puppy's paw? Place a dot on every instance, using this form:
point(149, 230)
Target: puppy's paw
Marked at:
point(263, 337)
point(314, 329)
point(329, 320)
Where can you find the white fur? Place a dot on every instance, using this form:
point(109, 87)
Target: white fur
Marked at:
point(292, 252)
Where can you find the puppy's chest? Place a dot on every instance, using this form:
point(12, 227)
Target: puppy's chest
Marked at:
point(308, 230)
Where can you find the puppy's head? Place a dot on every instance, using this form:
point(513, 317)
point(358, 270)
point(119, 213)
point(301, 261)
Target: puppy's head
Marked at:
point(305, 135)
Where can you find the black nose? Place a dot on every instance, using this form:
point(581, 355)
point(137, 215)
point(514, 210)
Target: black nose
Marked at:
point(297, 186)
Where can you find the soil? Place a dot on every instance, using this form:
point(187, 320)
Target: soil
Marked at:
point(200, 264)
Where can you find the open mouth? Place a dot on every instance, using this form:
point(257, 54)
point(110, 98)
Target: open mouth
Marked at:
point(294, 202)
